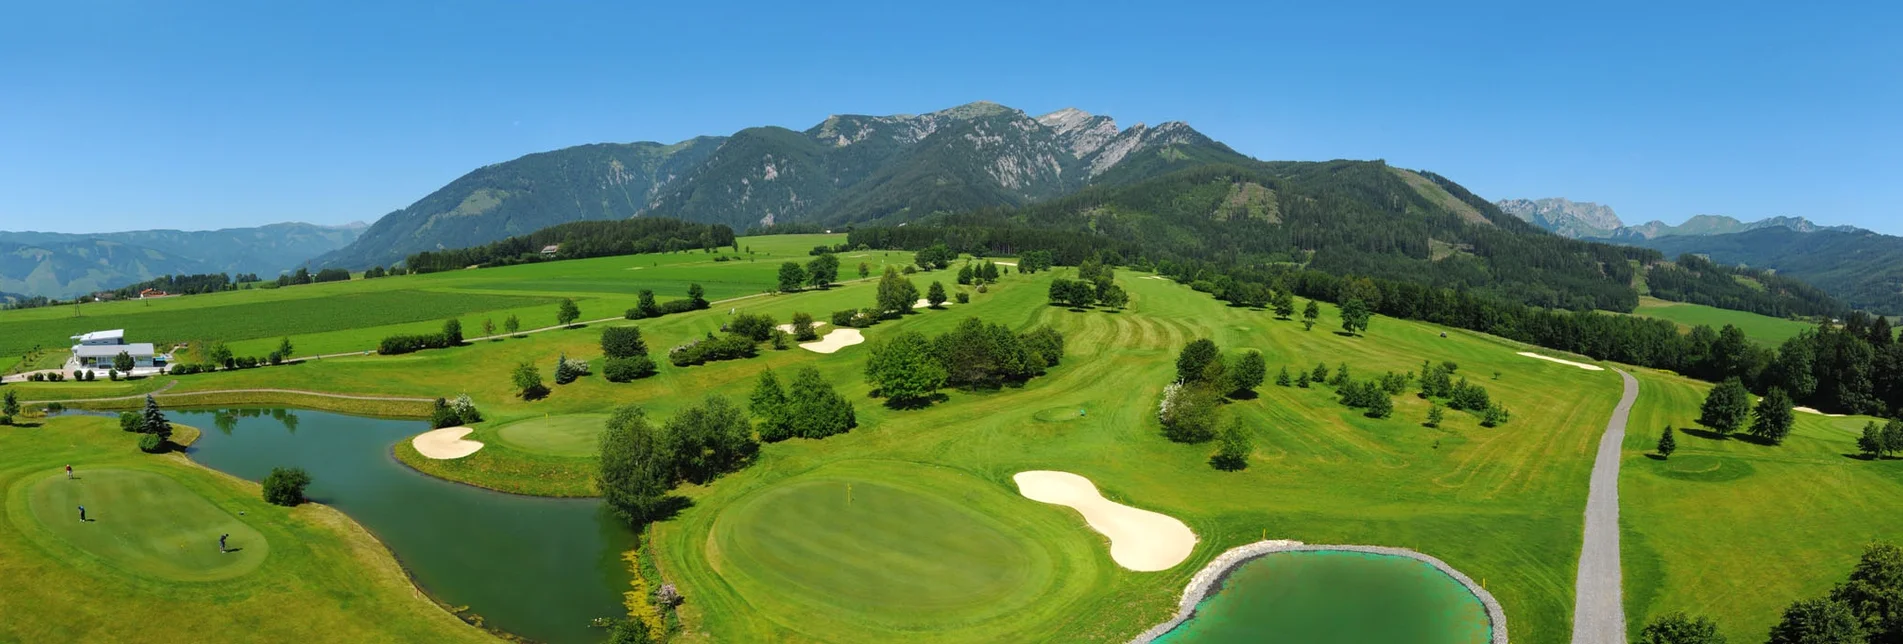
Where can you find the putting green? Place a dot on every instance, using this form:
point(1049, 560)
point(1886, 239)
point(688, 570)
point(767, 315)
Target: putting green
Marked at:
point(143, 522)
point(916, 548)
point(565, 435)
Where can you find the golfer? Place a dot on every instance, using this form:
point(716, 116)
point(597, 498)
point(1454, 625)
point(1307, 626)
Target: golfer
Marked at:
point(221, 543)
point(69, 472)
point(82, 514)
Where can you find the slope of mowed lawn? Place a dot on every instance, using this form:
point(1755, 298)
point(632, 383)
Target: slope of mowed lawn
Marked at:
point(272, 319)
point(1503, 505)
point(865, 549)
point(564, 435)
point(323, 579)
point(1736, 530)
point(143, 523)
point(1762, 329)
point(334, 307)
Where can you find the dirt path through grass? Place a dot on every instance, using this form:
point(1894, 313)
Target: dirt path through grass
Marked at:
point(1598, 608)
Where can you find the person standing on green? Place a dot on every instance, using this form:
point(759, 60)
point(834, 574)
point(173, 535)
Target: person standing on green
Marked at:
point(69, 472)
point(82, 514)
point(221, 543)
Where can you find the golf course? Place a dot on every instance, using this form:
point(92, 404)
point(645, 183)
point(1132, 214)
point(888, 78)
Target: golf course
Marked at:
point(910, 525)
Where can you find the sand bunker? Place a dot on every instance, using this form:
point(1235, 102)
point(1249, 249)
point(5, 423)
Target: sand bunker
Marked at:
point(1582, 365)
point(926, 304)
point(1155, 277)
point(1140, 540)
point(1010, 264)
point(838, 339)
point(788, 327)
point(1811, 410)
point(446, 443)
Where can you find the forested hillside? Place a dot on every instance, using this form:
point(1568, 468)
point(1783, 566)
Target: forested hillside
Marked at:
point(1341, 218)
point(1698, 280)
point(1862, 268)
point(64, 265)
point(844, 170)
point(579, 240)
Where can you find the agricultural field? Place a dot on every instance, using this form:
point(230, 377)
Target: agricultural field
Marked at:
point(1736, 530)
point(1763, 329)
point(337, 317)
point(145, 566)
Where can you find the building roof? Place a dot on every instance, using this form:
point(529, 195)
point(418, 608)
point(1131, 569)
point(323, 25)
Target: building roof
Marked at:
point(139, 350)
point(115, 335)
point(551, 248)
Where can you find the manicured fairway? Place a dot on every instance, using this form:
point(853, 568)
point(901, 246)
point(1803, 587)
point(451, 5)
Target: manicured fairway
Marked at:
point(1762, 329)
point(564, 435)
point(144, 523)
point(863, 547)
point(1736, 530)
point(305, 574)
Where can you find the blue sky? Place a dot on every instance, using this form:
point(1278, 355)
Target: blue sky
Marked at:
point(138, 114)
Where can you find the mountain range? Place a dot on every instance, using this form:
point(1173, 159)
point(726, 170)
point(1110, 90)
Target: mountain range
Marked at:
point(1587, 220)
point(844, 170)
point(1864, 269)
point(63, 265)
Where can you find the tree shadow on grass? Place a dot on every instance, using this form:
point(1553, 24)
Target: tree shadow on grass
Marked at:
point(1244, 394)
point(916, 403)
point(1344, 334)
point(1705, 434)
point(1655, 456)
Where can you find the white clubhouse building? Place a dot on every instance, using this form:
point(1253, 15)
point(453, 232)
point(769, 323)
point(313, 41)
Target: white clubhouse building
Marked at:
point(97, 349)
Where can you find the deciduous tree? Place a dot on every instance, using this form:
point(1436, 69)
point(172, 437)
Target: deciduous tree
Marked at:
point(904, 370)
point(1726, 407)
point(1772, 419)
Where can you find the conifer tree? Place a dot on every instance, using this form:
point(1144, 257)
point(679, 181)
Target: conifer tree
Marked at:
point(1667, 442)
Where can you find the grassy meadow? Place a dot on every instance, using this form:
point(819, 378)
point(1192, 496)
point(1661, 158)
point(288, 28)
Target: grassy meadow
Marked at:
point(146, 568)
point(1736, 530)
point(338, 317)
point(1763, 329)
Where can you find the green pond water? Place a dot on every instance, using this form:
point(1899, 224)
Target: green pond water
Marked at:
point(537, 567)
point(1324, 597)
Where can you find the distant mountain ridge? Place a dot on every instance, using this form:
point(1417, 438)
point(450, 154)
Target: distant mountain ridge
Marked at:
point(63, 265)
point(1587, 220)
point(846, 169)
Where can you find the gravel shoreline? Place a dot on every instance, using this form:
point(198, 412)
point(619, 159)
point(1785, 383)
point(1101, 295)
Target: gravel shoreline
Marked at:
point(1211, 576)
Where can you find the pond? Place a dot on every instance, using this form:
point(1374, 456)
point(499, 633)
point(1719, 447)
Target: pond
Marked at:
point(540, 568)
point(1328, 596)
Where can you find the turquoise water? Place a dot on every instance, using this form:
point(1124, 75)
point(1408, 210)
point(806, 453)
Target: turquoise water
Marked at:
point(1328, 597)
point(540, 568)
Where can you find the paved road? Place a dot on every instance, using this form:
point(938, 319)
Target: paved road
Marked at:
point(1598, 610)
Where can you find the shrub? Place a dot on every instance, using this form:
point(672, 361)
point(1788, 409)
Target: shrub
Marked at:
point(151, 443)
point(442, 416)
point(566, 370)
point(285, 485)
point(400, 344)
point(963, 297)
point(627, 369)
point(845, 318)
point(528, 381)
point(465, 409)
point(1188, 413)
point(711, 349)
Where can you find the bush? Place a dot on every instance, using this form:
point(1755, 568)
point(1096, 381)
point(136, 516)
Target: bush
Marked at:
point(151, 443)
point(566, 370)
point(400, 344)
point(803, 328)
point(844, 319)
point(285, 485)
point(963, 297)
point(627, 369)
point(131, 421)
point(711, 349)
